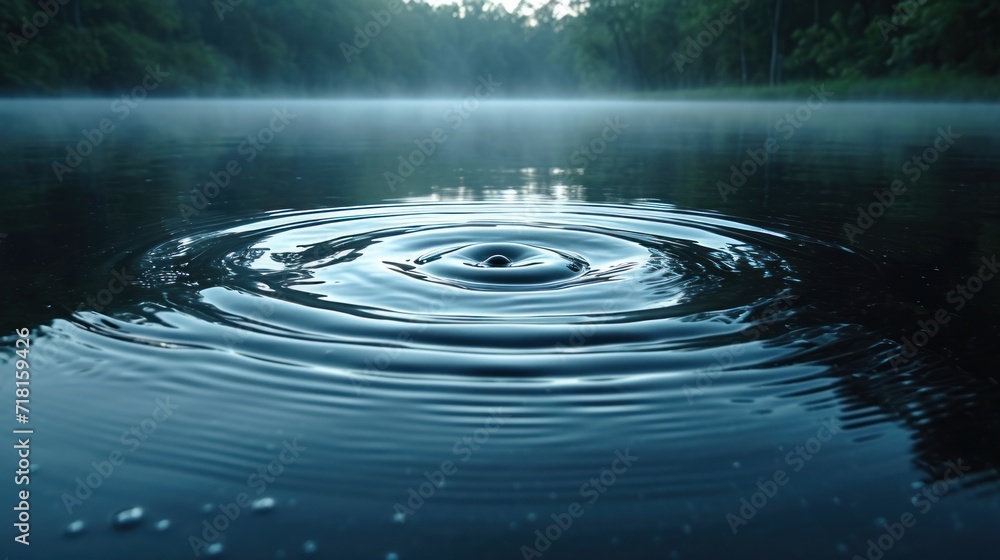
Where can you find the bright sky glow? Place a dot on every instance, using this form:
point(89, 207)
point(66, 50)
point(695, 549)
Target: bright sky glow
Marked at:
point(508, 4)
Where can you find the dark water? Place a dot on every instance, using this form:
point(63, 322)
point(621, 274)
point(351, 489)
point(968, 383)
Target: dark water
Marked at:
point(522, 335)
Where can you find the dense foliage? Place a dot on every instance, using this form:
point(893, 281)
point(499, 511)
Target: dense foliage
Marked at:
point(320, 47)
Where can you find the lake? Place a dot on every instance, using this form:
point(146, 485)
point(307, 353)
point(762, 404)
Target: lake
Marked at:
point(487, 328)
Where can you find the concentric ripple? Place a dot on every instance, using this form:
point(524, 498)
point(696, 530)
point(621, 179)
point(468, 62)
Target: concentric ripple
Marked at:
point(381, 335)
point(514, 290)
point(497, 266)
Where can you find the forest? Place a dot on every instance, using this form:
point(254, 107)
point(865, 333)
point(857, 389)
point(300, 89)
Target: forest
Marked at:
point(567, 47)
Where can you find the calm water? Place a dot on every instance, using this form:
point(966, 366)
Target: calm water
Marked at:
point(617, 345)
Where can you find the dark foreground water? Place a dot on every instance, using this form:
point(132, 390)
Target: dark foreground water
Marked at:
point(508, 346)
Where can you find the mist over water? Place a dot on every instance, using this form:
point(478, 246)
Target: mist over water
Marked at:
point(532, 292)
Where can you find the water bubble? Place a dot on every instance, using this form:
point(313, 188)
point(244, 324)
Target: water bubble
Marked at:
point(163, 525)
point(75, 528)
point(128, 518)
point(496, 261)
point(309, 547)
point(214, 549)
point(392, 556)
point(263, 505)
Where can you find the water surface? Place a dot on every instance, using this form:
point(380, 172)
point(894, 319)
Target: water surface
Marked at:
point(502, 320)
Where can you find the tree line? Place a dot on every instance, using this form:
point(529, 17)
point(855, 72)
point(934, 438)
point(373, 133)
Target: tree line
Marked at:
point(392, 47)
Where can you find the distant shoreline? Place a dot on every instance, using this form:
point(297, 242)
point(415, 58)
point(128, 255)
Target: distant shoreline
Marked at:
point(928, 88)
point(943, 88)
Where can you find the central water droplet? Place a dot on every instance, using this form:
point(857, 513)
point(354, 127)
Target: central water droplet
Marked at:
point(496, 266)
point(496, 261)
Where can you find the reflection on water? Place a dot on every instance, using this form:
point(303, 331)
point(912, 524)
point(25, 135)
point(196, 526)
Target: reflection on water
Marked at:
point(441, 367)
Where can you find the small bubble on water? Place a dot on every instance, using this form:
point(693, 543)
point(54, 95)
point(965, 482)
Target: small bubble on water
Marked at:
point(207, 508)
point(399, 517)
point(263, 505)
point(214, 549)
point(309, 547)
point(916, 485)
point(392, 556)
point(75, 528)
point(127, 518)
point(880, 521)
point(687, 529)
point(532, 516)
point(842, 548)
point(163, 525)
point(736, 464)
